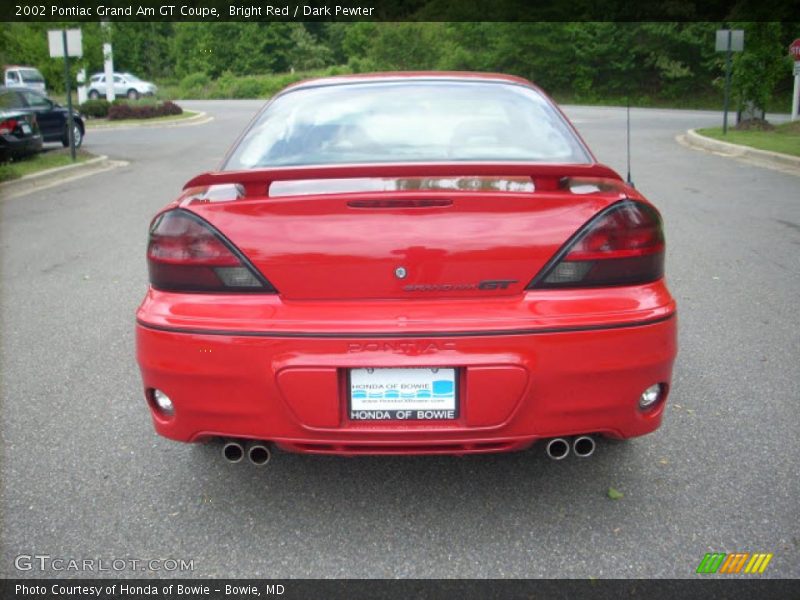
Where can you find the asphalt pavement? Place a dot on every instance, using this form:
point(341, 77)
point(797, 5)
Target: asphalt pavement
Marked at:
point(85, 477)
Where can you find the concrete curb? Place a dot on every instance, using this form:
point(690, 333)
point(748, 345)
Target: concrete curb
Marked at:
point(776, 159)
point(198, 119)
point(52, 177)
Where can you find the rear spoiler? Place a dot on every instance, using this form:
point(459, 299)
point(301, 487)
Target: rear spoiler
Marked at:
point(545, 177)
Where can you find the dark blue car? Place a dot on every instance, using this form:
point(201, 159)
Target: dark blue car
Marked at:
point(51, 116)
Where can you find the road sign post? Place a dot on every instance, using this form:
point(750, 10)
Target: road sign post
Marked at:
point(66, 43)
point(70, 122)
point(728, 41)
point(794, 49)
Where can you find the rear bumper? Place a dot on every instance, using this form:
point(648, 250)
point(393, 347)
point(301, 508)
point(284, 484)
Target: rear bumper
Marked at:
point(13, 146)
point(515, 386)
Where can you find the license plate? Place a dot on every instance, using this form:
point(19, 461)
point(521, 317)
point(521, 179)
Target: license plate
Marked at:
point(418, 394)
point(25, 127)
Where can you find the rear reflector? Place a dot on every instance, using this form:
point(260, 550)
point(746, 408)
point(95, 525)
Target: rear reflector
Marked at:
point(187, 254)
point(623, 245)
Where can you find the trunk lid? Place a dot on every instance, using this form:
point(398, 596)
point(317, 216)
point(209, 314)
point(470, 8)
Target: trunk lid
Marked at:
point(396, 240)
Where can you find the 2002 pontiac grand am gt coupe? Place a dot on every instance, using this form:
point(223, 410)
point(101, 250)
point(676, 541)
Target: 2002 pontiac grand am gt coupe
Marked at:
point(409, 263)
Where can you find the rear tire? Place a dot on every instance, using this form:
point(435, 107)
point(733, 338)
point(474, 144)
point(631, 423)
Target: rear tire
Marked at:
point(133, 94)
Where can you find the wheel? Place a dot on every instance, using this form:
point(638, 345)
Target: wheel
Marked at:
point(133, 94)
point(94, 94)
point(77, 134)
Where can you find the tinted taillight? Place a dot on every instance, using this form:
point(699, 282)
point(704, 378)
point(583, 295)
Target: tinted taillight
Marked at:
point(185, 253)
point(623, 245)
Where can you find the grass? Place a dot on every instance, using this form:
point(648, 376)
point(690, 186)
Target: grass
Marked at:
point(105, 123)
point(784, 138)
point(39, 162)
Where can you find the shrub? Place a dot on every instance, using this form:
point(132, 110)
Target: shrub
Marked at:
point(194, 84)
point(125, 110)
point(95, 109)
point(247, 87)
point(223, 86)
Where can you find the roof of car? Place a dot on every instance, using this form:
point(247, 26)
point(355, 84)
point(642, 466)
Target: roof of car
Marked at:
point(409, 75)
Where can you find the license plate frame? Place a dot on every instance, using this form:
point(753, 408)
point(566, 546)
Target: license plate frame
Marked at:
point(419, 394)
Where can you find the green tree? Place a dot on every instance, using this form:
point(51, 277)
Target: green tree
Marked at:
point(356, 44)
point(142, 48)
point(306, 52)
point(263, 48)
point(406, 46)
point(192, 47)
point(758, 69)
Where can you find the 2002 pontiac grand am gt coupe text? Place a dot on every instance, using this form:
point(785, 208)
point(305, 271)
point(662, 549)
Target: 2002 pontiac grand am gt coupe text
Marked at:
point(407, 263)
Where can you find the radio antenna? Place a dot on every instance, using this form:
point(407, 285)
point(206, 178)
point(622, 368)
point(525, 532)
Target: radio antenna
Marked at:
point(628, 139)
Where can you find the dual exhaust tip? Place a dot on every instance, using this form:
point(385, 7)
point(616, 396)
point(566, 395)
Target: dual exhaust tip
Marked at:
point(258, 453)
point(559, 448)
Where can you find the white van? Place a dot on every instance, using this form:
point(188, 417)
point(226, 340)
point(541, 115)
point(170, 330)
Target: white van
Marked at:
point(29, 77)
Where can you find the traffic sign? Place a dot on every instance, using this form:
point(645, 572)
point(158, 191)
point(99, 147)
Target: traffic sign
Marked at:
point(794, 49)
point(74, 45)
point(729, 40)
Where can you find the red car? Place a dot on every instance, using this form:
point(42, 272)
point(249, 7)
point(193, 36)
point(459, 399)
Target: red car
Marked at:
point(407, 263)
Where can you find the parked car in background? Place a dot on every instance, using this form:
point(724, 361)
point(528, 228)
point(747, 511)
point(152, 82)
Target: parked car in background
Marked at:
point(19, 134)
point(125, 84)
point(15, 76)
point(51, 117)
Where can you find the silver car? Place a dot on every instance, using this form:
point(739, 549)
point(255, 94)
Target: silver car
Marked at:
point(125, 84)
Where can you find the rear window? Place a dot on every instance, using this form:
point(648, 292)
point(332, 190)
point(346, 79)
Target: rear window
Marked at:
point(417, 121)
point(11, 100)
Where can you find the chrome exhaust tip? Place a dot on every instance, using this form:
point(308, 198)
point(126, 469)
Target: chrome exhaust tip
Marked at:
point(557, 448)
point(259, 454)
point(584, 446)
point(233, 452)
